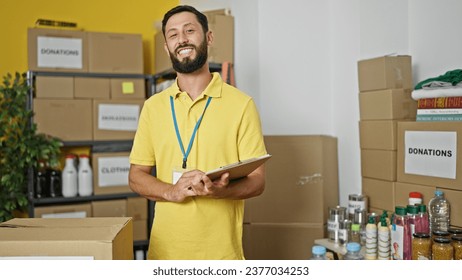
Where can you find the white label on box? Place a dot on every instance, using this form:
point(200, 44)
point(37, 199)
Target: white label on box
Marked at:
point(118, 117)
point(113, 171)
point(78, 214)
point(59, 52)
point(431, 153)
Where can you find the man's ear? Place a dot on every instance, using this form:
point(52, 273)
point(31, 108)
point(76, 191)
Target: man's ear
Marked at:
point(209, 38)
point(166, 49)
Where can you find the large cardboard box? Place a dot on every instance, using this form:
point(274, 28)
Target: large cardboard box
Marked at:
point(390, 104)
point(57, 50)
point(429, 154)
point(54, 87)
point(92, 238)
point(379, 192)
point(124, 88)
point(77, 210)
point(137, 208)
point(385, 72)
point(280, 241)
point(380, 135)
point(378, 164)
point(402, 191)
point(116, 119)
point(115, 53)
point(301, 181)
point(110, 173)
point(221, 23)
point(109, 208)
point(68, 120)
point(455, 200)
point(92, 88)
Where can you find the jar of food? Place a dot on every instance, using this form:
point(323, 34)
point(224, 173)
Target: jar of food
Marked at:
point(440, 233)
point(421, 246)
point(457, 244)
point(442, 249)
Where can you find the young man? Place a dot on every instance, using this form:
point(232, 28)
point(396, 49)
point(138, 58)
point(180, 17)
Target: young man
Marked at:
point(200, 123)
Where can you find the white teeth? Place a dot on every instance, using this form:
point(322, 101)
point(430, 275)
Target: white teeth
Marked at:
point(185, 51)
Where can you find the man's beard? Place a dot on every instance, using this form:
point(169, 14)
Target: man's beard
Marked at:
point(189, 65)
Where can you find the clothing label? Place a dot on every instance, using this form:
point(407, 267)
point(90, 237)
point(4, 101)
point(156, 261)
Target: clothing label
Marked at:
point(430, 153)
point(113, 171)
point(59, 52)
point(118, 117)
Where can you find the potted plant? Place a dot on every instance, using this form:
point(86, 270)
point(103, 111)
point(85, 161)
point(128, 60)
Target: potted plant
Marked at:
point(21, 147)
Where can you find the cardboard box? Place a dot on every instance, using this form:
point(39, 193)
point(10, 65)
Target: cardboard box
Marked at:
point(386, 72)
point(57, 50)
point(379, 192)
point(137, 208)
point(92, 88)
point(454, 198)
point(78, 210)
point(110, 173)
point(221, 23)
point(402, 191)
point(140, 230)
point(301, 181)
point(54, 87)
point(428, 154)
point(68, 120)
point(379, 135)
point(378, 164)
point(128, 88)
point(94, 238)
point(280, 241)
point(390, 104)
point(109, 208)
point(116, 119)
point(115, 53)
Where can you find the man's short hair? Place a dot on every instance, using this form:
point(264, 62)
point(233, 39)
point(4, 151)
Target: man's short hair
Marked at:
point(185, 8)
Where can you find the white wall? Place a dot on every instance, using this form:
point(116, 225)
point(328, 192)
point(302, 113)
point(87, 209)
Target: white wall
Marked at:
point(298, 58)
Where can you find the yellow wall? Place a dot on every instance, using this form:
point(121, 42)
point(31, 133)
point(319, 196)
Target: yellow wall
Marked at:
point(118, 16)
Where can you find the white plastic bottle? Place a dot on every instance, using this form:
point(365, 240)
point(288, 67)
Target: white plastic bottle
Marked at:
point(371, 239)
point(439, 212)
point(383, 248)
point(69, 177)
point(85, 179)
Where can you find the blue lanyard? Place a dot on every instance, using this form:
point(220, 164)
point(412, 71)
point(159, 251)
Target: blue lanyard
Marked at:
point(186, 154)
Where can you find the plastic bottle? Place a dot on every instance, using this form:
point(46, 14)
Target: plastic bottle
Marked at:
point(85, 179)
point(371, 239)
point(399, 229)
point(439, 212)
point(383, 247)
point(412, 212)
point(415, 198)
point(421, 220)
point(353, 251)
point(318, 253)
point(41, 180)
point(69, 177)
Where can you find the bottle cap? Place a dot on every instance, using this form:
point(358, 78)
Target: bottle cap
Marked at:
point(318, 250)
point(400, 210)
point(83, 156)
point(353, 247)
point(440, 233)
point(422, 208)
point(371, 220)
point(455, 230)
point(442, 240)
point(421, 235)
point(438, 192)
point(355, 227)
point(457, 237)
point(415, 195)
point(70, 156)
point(412, 209)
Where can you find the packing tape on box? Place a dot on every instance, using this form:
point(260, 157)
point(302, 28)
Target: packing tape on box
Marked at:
point(310, 179)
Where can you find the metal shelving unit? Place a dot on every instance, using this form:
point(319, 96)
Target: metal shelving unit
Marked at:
point(96, 146)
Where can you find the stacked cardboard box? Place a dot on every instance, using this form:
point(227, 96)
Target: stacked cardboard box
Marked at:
point(98, 102)
point(385, 85)
point(428, 159)
point(292, 212)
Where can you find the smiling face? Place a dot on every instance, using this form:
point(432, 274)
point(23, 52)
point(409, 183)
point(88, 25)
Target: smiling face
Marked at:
point(186, 42)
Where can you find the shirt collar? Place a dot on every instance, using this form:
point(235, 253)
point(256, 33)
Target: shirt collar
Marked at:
point(213, 89)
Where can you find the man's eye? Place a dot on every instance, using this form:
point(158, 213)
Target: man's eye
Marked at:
point(172, 36)
point(190, 30)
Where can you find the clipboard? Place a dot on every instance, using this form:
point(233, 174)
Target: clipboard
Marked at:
point(238, 169)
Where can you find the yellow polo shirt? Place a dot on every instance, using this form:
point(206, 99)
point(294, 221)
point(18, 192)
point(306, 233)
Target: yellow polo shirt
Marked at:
point(200, 227)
